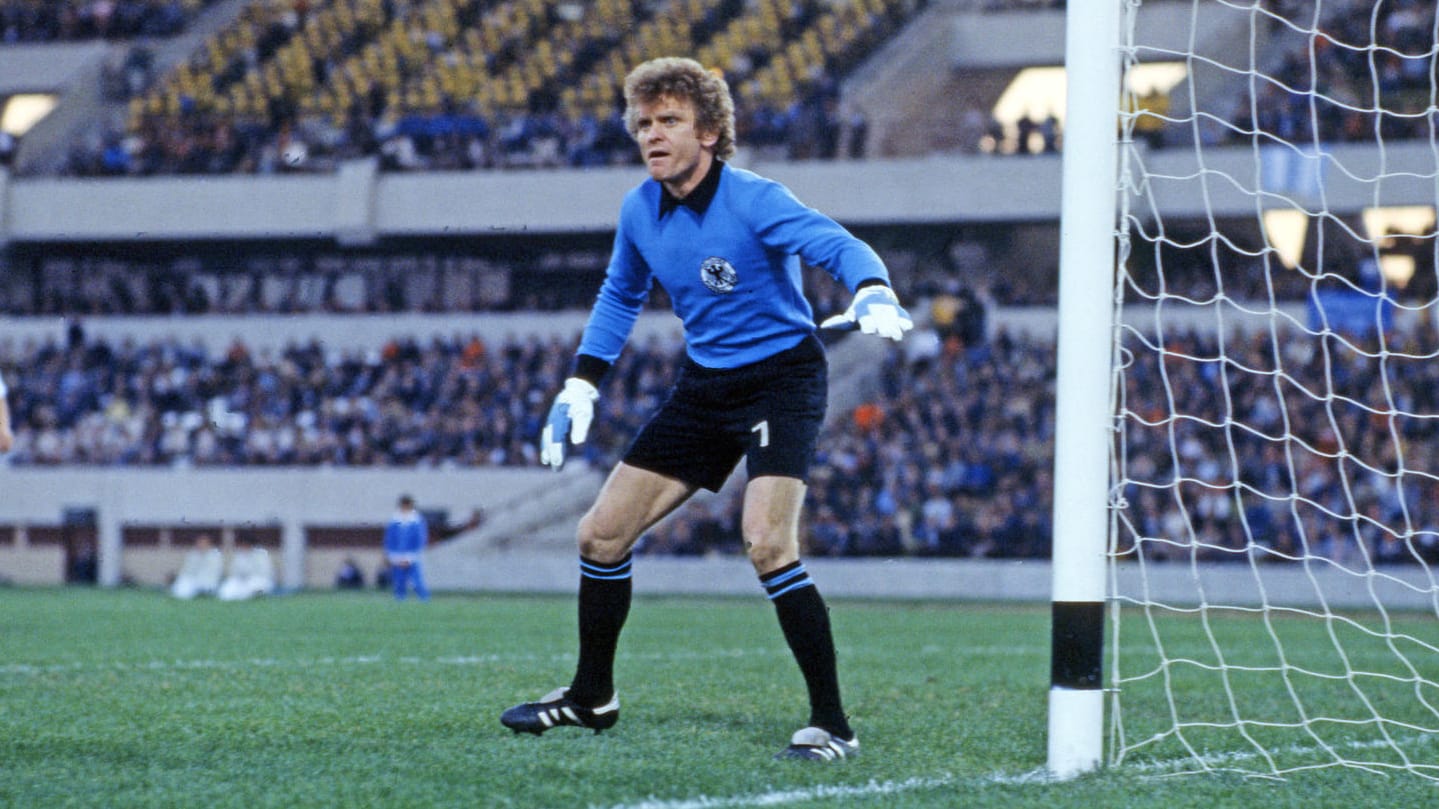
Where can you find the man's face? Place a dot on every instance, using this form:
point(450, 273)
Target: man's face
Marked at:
point(675, 152)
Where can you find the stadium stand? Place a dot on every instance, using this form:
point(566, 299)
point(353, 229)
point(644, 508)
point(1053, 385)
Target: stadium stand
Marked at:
point(448, 84)
point(1367, 76)
point(70, 20)
point(911, 470)
point(443, 402)
point(350, 78)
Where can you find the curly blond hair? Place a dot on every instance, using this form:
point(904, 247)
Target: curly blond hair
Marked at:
point(685, 79)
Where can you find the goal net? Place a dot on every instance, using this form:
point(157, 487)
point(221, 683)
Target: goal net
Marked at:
point(1274, 501)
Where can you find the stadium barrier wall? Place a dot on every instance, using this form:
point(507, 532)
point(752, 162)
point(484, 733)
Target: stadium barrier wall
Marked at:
point(283, 507)
point(901, 579)
point(47, 67)
point(282, 503)
point(928, 190)
point(1023, 580)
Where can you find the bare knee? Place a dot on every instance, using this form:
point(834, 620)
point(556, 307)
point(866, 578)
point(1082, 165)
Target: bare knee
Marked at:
point(770, 522)
point(769, 547)
point(602, 542)
point(630, 502)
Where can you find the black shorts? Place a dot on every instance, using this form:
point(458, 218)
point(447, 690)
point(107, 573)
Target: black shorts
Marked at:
point(769, 412)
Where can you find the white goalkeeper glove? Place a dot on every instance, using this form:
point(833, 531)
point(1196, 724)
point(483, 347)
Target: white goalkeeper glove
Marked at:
point(874, 310)
point(569, 418)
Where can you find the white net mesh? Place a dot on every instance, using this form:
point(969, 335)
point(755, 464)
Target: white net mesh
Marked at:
point(1276, 464)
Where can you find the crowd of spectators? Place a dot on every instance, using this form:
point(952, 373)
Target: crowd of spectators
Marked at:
point(950, 455)
point(70, 20)
point(1361, 61)
point(448, 401)
point(812, 125)
point(1370, 58)
point(1361, 74)
point(455, 138)
point(450, 132)
point(1333, 458)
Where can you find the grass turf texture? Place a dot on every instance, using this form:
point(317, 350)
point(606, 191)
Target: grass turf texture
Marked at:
point(129, 698)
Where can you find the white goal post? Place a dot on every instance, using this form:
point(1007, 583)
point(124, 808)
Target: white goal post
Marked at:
point(1246, 549)
point(1082, 422)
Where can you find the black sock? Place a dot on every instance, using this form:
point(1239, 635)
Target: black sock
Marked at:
point(805, 621)
point(604, 603)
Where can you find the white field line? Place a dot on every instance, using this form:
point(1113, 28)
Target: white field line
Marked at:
point(350, 661)
point(1233, 757)
point(35, 669)
point(785, 797)
point(1151, 770)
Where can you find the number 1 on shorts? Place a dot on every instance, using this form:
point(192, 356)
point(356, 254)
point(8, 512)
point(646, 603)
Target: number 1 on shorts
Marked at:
point(763, 429)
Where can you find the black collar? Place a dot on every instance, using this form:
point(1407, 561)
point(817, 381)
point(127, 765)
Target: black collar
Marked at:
point(697, 200)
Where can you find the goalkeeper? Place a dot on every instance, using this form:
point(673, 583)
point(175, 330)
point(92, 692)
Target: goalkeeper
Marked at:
point(726, 245)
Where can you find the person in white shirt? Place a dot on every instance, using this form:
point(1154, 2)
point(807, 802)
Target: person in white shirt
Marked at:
point(200, 573)
point(251, 573)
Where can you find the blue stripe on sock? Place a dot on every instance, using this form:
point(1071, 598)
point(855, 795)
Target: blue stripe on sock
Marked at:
point(776, 579)
point(779, 583)
point(617, 571)
point(807, 582)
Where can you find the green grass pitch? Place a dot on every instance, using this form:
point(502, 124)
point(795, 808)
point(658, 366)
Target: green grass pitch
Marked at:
point(128, 698)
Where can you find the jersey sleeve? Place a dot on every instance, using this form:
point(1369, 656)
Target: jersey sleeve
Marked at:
point(621, 296)
point(784, 223)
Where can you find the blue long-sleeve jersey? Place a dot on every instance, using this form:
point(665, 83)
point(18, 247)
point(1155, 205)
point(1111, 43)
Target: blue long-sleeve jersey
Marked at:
point(405, 536)
point(732, 271)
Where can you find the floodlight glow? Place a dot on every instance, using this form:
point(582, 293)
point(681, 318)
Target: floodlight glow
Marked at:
point(24, 111)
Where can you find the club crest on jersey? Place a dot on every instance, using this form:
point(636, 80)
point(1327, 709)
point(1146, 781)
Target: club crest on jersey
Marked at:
point(718, 275)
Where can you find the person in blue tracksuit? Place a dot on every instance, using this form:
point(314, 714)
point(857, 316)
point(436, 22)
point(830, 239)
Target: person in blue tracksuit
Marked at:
point(405, 538)
point(726, 245)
